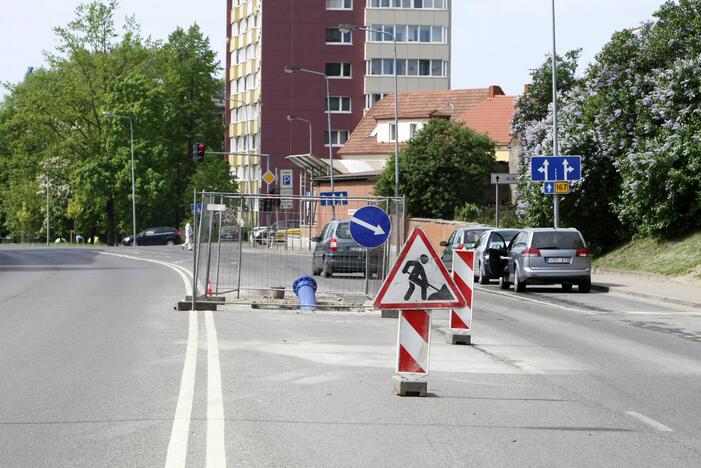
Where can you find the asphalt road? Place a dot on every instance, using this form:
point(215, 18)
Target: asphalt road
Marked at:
point(99, 371)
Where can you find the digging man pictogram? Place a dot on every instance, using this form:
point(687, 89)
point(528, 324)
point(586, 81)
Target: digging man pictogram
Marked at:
point(417, 277)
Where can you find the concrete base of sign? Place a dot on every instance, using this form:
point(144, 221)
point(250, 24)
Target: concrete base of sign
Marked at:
point(405, 387)
point(390, 313)
point(207, 298)
point(458, 338)
point(199, 305)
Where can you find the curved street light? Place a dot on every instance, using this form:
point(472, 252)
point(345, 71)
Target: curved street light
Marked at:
point(346, 28)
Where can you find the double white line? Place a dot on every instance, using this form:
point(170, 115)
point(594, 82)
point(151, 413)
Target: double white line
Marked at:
point(177, 447)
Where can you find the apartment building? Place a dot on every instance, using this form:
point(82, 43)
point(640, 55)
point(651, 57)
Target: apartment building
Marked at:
point(265, 35)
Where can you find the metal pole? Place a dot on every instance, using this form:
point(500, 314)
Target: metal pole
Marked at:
point(396, 123)
point(328, 120)
point(556, 150)
point(133, 192)
point(197, 251)
point(194, 256)
point(216, 279)
point(209, 248)
point(238, 281)
point(48, 216)
point(497, 206)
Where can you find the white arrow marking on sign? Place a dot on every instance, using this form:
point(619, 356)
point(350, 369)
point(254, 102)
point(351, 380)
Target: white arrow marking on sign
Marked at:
point(376, 229)
point(544, 169)
point(549, 188)
point(567, 168)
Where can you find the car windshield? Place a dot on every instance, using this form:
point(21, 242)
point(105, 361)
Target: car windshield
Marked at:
point(557, 240)
point(343, 231)
point(471, 236)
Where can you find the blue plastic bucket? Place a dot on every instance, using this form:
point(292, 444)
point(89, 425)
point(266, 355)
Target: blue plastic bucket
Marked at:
point(305, 289)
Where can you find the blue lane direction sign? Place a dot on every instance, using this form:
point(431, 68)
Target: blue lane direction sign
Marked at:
point(333, 198)
point(199, 208)
point(549, 188)
point(556, 168)
point(370, 227)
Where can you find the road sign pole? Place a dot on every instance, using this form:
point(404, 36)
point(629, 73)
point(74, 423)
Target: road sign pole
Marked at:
point(556, 150)
point(497, 207)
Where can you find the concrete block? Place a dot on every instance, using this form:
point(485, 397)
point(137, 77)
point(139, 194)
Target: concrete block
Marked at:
point(458, 338)
point(187, 305)
point(404, 386)
point(390, 314)
point(207, 298)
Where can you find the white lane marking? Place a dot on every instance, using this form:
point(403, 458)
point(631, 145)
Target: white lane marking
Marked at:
point(177, 447)
point(650, 422)
point(668, 312)
point(216, 452)
point(523, 298)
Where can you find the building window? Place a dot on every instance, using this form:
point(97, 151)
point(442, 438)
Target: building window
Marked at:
point(339, 4)
point(392, 132)
point(415, 4)
point(371, 99)
point(412, 130)
point(335, 36)
point(338, 69)
point(339, 104)
point(338, 137)
point(407, 67)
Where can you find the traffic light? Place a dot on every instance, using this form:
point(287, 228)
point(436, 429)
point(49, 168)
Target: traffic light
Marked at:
point(200, 149)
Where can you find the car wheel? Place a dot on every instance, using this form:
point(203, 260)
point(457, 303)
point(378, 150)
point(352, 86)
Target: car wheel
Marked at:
point(584, 286)
point(482, 277)
point(503, 283)
point(567, 287)
point(519, 285)
point(326, 271)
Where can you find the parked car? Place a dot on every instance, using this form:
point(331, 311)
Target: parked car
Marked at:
point(155, 236)
point(229, 233)
point(490, 253)
point(461, 238)
point(548, 256)
point(276, 232)
point(337, 252)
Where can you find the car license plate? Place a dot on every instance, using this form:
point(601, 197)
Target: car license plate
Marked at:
point(557, 259)
point(356, 249)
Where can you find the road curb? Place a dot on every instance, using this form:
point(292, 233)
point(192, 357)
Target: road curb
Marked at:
point(671, 300)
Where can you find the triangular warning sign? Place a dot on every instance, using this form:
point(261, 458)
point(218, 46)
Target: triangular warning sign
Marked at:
point(418, 279)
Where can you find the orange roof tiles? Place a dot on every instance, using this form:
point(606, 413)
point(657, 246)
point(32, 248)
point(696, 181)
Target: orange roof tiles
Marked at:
point(426, 105)
point(493, 117)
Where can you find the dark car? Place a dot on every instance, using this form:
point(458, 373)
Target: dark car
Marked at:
point(548, 256)
point(490, 253)
point(337, 252)
point(229, 234)
point(462, 238)
point(155, 236)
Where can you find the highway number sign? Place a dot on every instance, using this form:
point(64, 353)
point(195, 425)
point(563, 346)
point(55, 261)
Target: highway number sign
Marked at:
point(418, 279)
point(370, 227)
point(562, 187)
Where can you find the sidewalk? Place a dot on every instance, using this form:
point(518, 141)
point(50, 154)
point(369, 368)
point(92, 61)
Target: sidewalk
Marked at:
point(661, 289)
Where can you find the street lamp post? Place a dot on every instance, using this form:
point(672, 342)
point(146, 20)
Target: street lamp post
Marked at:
point(133, 191)
point(353, 27)
point(293, 69)
point(309, 122)
point(556, 149)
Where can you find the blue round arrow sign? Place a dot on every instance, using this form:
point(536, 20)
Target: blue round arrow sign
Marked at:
point(370, 227)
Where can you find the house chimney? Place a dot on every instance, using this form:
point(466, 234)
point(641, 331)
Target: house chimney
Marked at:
point(495, 90)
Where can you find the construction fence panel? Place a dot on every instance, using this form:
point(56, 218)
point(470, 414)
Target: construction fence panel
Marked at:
point(251, 245)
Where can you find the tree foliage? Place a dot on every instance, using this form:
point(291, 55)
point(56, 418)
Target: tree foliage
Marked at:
point(443, 167)
point(54, 128)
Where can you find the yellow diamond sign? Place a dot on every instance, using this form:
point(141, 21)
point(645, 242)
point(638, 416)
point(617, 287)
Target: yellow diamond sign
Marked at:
point(269, 177)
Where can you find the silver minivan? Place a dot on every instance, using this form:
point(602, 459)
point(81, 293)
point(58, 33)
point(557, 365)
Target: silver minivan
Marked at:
point(548, 256)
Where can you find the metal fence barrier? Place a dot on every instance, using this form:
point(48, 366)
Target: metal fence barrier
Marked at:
point(249, 246)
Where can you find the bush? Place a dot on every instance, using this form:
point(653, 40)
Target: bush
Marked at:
point(469, 212)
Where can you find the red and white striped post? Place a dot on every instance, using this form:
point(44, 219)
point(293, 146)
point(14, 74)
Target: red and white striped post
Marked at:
point(413, 346)
point(464, 276)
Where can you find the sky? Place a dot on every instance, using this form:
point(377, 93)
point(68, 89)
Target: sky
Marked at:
point(494, 42)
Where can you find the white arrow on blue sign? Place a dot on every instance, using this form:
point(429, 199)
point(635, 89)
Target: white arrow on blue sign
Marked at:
point(556, 168)
point(370, 227)
point(549, 188)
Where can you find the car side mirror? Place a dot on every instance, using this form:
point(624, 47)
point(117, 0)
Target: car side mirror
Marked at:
point(443, 244)
point(316, 239)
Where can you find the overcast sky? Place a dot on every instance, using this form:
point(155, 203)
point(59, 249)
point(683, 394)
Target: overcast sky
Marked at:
point(494, 41)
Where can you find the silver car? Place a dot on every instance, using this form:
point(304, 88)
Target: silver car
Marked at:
point(548, 256)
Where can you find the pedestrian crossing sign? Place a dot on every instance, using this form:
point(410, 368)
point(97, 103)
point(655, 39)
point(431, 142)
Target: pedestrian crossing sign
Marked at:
point(418, 279)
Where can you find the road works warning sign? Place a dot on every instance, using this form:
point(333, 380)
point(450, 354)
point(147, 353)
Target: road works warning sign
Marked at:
point(418, 279)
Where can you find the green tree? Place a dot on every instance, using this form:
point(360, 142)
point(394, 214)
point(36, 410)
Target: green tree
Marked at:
point(443, 167)
point(212, 175)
